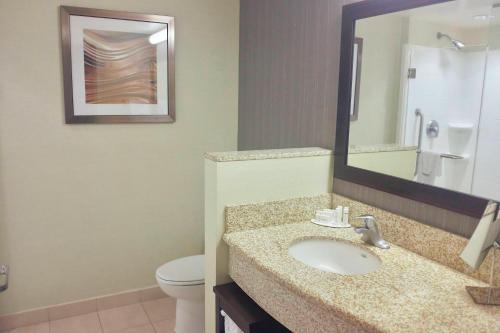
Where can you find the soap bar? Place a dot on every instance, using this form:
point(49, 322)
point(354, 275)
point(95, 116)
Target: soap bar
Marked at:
point(345, 216)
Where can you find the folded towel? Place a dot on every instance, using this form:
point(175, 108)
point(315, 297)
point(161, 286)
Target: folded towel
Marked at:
point(229, 325)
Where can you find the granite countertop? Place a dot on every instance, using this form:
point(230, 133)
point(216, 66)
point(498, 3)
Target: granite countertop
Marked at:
point(408, 293)
point(379, 148)
point(247, 155)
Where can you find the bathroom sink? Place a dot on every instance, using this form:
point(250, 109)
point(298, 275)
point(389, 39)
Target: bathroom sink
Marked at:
point(334, 256)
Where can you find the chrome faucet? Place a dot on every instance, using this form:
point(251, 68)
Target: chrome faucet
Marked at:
point(370, 232)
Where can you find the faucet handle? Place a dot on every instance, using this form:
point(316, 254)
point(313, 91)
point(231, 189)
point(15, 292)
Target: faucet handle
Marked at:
point(370, 232)
point(368, 219)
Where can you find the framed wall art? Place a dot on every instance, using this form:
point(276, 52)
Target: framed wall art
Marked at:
point(118, 67)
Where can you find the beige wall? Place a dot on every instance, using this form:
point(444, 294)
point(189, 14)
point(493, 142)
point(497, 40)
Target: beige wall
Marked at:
point(424, 33)
point(399, 163)
point(87, 210)
point(383, 37)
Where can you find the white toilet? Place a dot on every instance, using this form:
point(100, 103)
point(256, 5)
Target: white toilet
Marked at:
point(184, 279)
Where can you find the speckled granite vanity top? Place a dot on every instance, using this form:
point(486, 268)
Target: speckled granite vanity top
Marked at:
point(408, 293)
point(249, 155)
point(379, 148)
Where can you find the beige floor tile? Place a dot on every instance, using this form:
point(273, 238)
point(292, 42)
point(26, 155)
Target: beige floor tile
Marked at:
point(140, 329)
point(160, 309)
point(166, 326)
point(40, 328)
point(88, 323)
point(123, 317)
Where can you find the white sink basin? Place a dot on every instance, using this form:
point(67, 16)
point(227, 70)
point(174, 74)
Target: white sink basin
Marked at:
point(334, 256)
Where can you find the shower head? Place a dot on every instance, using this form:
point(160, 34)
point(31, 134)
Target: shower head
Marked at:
point(456, 43)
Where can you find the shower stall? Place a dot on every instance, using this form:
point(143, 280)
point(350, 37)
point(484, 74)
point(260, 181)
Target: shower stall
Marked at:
point(450, 108)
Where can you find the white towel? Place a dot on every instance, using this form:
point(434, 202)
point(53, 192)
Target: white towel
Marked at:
point(430, 166)
point(229, 325)
point(431, 163)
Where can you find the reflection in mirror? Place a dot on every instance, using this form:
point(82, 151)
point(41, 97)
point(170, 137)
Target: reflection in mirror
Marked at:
point(428, 105)
point(356, 75)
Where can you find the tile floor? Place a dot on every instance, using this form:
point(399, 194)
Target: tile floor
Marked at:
point(157, 316)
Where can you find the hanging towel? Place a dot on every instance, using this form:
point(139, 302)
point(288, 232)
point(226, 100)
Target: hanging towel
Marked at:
point(229, 325)
point(430, 166)
point(431, 163)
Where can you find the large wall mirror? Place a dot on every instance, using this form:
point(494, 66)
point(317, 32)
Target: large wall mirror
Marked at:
point(427, 94)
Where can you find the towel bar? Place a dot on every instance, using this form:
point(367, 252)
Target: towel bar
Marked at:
point(452, 156)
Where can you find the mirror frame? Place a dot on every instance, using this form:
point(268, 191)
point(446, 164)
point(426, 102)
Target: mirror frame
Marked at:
point(447, 199)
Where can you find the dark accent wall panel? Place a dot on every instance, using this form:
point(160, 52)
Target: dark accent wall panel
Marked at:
point(289, 58)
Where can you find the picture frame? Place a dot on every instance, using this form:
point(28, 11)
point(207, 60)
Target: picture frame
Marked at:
point(118, 67)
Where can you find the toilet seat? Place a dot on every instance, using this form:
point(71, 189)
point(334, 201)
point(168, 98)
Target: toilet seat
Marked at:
point(187, 271)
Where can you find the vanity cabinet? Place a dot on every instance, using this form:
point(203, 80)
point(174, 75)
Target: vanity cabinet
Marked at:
point(249, 317)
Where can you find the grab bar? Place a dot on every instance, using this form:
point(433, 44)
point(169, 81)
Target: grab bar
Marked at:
point(4, 271)
point(420, 115)
point(452, 156)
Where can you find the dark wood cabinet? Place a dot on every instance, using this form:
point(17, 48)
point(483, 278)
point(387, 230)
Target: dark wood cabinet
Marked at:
point(249, 316)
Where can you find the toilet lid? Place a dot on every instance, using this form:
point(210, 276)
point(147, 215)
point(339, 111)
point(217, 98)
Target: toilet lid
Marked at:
point(187, 270)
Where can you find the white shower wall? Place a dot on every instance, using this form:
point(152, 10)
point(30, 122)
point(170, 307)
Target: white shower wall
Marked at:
point(448, 89)
point(487, 173)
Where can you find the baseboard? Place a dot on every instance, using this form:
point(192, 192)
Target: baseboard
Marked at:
point(60, 311)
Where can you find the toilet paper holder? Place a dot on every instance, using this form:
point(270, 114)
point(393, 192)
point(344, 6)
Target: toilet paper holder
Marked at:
point(4, 277)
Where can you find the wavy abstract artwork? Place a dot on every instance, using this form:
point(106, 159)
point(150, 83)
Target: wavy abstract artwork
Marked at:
point(120, 68)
